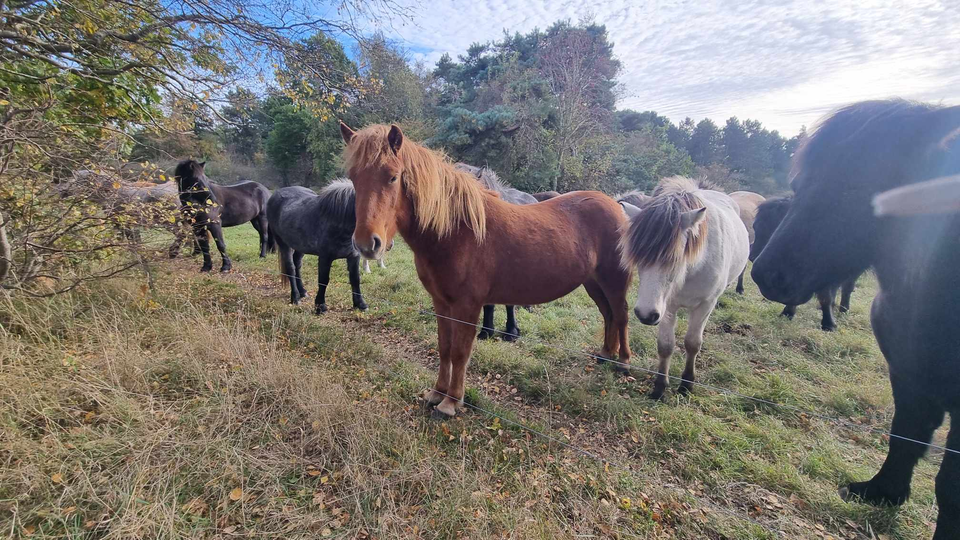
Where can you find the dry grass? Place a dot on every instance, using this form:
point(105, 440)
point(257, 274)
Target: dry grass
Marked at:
point(208, 408)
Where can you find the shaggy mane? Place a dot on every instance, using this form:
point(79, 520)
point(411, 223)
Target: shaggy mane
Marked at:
point(654, 237)
point(443, 197)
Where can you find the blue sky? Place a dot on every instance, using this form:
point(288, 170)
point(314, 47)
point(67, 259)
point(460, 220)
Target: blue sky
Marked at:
point(783, 62)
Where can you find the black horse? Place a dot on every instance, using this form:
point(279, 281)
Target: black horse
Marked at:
point(769, 215)
point(491, 181)
point(830, 234)
point(303, 222)
point(545, 195)
point(210, 207)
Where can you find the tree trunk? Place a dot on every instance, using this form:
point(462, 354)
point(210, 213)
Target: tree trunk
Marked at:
point(6, 258)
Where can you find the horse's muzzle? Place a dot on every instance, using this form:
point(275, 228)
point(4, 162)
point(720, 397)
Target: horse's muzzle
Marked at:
point(374, 250)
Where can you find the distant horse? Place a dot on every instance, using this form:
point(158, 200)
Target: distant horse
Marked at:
point(748, 202)
point(303, 222)
point(491, 181)
point(769, 216)
point(210, 207)
point(635, 198)
point(472, 248)
point(149, 204)
point(689, 245)
point(545, 195)
point(830, 234)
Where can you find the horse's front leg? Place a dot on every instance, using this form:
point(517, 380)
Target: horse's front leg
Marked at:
point(789, 312)
point(512, 331)
point(366, 265)
point(666, 342)
point(381, 263)
point(461, 345)
point(487, 330)
point(200, 237)
point(915, 418)
point(693, 340)
point(297, 265)
point(353, 268)
point(439, 391)
point(260, 224)
point(740, 288)
point(217, 231)
point(323, 279)
point(948, 496)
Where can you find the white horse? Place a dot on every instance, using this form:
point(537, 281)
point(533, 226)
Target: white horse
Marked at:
point(689, 245)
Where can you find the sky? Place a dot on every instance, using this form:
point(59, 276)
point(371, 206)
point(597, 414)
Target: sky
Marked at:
point(783, 62)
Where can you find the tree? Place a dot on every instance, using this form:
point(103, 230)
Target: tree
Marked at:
point(286, 144)
point(704, 146)
point(244, 122)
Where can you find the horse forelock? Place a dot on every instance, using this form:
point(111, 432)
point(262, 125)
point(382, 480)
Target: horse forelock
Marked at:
point(443, 196)
point(654, 237)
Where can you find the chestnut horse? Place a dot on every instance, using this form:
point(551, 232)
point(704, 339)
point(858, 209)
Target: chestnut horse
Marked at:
point(469, 250)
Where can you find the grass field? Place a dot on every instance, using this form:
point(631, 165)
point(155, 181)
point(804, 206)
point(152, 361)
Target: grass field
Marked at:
point(207, 407)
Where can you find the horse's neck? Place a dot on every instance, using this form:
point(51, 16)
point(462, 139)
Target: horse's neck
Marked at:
point(909, 254)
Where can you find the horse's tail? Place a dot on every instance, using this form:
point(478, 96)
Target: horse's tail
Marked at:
point(280, 270)
point(271, 241)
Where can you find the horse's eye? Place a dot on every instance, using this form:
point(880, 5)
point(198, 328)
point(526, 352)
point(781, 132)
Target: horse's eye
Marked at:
point(393, 179)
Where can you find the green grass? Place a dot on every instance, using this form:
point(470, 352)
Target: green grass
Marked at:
point(153, 406)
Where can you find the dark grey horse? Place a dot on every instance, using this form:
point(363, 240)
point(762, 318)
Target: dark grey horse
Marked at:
point(491, 181)
point(545, 195)
point(636, 198)
point(303, 222)
point(210, 207)
point(769, 215)
point(830, 234)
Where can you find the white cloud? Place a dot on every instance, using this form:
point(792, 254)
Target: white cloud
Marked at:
point(782, 62)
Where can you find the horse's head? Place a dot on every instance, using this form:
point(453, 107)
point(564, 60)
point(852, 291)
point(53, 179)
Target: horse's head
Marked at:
point(830, 233)
point(190, 176)
point(662, 239)
point(769, 215)
point(376, 169)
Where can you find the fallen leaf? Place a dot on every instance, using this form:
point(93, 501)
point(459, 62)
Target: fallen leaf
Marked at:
point(29, 530)
point(236, 494)
point(56, 478)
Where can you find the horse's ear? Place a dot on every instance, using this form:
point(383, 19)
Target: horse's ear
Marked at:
point(202, 164)
point(480, 172)
point(630, 209)
point(346, 132)
point(689, 219)
point(395, 138)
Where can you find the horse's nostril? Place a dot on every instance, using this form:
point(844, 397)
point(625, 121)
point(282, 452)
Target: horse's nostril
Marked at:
point(377, 242)
point(636, 311)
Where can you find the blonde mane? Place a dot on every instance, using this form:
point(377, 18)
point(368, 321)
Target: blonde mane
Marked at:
point(654, 237)
point(443, 197)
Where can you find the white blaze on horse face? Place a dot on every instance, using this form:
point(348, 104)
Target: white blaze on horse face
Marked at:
point(655, 285)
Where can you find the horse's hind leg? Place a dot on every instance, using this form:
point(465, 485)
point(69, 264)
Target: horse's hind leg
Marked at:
point(353, 268)
point(740, 281)
point(948, 497)
point(693, 340)
point(260, 224)
point(323, 279)
point(789, 312)
point(845, 291)
point(366, 265)
point(615, 291)
point(666, 342)
point(610, 342)
point(217, 231)
point(486, 328)
point(825, 298)
point(297, 265)
point(512, 331)
point(915, 418)
point(289, 269)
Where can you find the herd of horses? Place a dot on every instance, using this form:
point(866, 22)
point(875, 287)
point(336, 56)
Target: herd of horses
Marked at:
point(478, 242)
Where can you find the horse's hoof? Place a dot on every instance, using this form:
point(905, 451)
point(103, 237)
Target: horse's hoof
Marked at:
point(225, 269)
point(843, 309)
point(362, 306)
point(828, 327)
point(431, 397)
point(656, 394)
point(320, 309)
point(740, 290)
point(447, 408)
point(868, 493)
point(686, 388)
point(787, 315)
point(511, 335)
point(206, 268)
point(485, 334)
